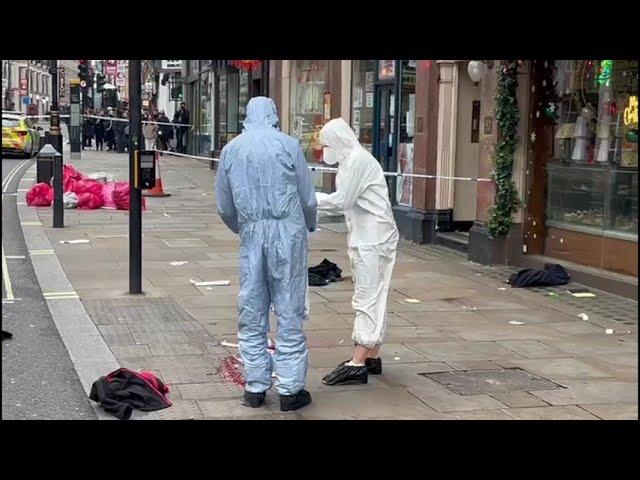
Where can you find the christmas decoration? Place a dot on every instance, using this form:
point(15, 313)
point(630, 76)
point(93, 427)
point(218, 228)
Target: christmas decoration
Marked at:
point(604, 74)
point(246, 64)
point(507, 116)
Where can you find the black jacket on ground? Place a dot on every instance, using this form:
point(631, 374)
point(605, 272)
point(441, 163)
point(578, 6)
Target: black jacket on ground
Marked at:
point(324, 273)
point(123, 390)
point(551, 276)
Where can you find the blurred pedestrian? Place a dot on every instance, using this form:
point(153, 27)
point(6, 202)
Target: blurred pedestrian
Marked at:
point(183, 128)
point(150, 133)
point(88, 130)
point(119, 126)
point(165, 131)
point(99, 131)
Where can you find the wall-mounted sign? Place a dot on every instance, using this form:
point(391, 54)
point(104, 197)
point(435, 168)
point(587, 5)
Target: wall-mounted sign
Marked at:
point(488, 125)
point(111, 67)
point(475, 121)
point(61, 82)
point(631, 112)
point(386, 69)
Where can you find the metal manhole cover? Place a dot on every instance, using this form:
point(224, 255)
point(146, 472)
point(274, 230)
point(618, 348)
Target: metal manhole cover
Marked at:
point(476, 382)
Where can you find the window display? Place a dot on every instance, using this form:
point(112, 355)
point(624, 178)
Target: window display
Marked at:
point(593, 178)
point(362, 77)
point(308, 86)
point(204, 129)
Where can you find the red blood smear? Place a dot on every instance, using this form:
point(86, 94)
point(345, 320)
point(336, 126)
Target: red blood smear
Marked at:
point(230, 371)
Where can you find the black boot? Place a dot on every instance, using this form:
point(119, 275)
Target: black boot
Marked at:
point(294, 402)
point(254, 400)
point(347, 374)
point(374, 366)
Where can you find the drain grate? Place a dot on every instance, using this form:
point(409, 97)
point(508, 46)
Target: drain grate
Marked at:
point(476, 382)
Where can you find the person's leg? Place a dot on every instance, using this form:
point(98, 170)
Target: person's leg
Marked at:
point(288, 286)
point(253, 324)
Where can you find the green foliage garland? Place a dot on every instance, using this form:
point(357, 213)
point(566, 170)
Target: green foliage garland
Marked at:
point(506, 200)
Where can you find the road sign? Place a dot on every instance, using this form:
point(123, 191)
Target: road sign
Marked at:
point(26, 100)
point(83, 84)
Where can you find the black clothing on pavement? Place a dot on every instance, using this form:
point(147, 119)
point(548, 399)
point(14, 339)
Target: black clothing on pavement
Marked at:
point(552, 275)
point(324, 273)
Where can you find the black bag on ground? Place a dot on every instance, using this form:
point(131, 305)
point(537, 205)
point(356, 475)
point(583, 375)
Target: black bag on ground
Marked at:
point(324, 273)
point(552, 275)
point(123, 390)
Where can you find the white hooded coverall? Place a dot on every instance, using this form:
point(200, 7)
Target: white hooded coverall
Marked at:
point(363, 197)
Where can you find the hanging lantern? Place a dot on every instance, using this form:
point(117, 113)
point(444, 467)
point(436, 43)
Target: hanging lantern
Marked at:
point(246, 64)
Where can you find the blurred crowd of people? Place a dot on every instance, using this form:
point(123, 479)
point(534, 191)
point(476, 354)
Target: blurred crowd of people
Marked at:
point(109, 130)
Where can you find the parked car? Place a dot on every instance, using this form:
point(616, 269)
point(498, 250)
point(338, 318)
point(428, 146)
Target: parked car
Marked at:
point(19, 135)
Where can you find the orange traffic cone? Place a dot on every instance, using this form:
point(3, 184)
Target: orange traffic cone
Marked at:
point(156, 191)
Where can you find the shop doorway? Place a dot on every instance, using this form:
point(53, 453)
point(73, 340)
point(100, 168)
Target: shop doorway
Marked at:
point(384, 125)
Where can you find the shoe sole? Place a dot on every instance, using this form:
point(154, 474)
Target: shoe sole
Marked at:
point(291, 409)
point(348, 382)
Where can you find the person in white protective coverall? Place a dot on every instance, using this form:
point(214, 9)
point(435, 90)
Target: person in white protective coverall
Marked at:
point(363, 197)
point(265, 193)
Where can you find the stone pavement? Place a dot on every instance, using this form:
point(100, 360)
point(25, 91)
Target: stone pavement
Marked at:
point(453, 355)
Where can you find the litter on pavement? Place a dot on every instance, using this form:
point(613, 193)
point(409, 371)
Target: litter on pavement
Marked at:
point(412, 300)
point(73, 242)
point(609, 331)
point(324, 273)
point(581, 293)
point(552, 276)
point(216, 283)
point(584, 317)
point(179, 264)
point(224, 343)
point(515, 322)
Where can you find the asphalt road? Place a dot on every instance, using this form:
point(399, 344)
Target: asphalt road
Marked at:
point(38, 378)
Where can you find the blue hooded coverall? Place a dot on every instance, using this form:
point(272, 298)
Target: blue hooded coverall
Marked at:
point(265, 192)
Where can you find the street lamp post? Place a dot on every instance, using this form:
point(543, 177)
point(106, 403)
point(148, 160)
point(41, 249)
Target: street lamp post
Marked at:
point(135, 209)
point(54, 119)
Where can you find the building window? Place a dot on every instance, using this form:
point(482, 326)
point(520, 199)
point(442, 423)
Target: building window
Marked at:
point(222, 110)
point(407, 117)
point(593, 177)
point(362, 80)
point(205, 123)
point(308, 86)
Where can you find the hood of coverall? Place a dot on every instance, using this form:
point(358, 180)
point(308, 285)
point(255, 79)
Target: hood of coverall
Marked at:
point(340, 139)
point(261, 113)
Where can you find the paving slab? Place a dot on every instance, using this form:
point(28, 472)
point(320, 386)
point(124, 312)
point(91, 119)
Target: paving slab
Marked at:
point(613, 412)
point(583, 392)
point(443, 400)
point(571, 412)
point(462, 351)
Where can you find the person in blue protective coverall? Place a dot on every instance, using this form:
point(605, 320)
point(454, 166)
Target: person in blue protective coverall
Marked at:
point(265, 193)
point(363, 197)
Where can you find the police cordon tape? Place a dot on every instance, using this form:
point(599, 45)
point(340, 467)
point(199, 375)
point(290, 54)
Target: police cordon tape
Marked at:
point(335, 170)
point(312, 168)
point(114, 119)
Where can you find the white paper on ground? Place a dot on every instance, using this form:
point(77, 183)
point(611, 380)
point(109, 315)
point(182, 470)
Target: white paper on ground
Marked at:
point(609, 331)
point(224, 343)
point(584, 316)
point(515, 322)
point(73, 242)
point(217, 283)
point(412, 300)
point(178, 264)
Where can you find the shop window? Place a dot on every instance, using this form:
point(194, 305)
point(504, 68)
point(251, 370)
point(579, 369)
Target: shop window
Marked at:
point(308, 86)
point(222, 111)
point(404, 187)
point(205, 126)
point(243, 96)
point(593, 179)
point(233, 119)
point(362, 80)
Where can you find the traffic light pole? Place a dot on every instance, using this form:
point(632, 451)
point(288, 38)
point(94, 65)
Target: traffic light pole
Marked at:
point(135, 209)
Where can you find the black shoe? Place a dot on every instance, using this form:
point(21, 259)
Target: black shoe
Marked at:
point(254, 400)
point(347, 374)
point(374, 365)
point(294, 402)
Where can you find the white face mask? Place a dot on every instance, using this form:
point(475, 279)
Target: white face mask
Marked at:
point(329, 156)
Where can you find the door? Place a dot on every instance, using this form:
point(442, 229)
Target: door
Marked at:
point(385, 124)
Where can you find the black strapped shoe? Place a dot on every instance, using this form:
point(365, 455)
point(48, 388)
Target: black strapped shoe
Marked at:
point(374, 365)
point(254, 400)
point(347, 374)
point(294, 402)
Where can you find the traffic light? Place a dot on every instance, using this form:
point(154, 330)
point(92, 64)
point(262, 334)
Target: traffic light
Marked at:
point(83, 72)
point(100, 81)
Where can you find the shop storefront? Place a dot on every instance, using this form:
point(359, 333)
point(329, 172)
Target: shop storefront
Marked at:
point(587, 130)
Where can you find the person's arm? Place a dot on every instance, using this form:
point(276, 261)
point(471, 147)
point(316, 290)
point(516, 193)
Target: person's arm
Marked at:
point(350, 183)
point(224, 198)
point(306, 189)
